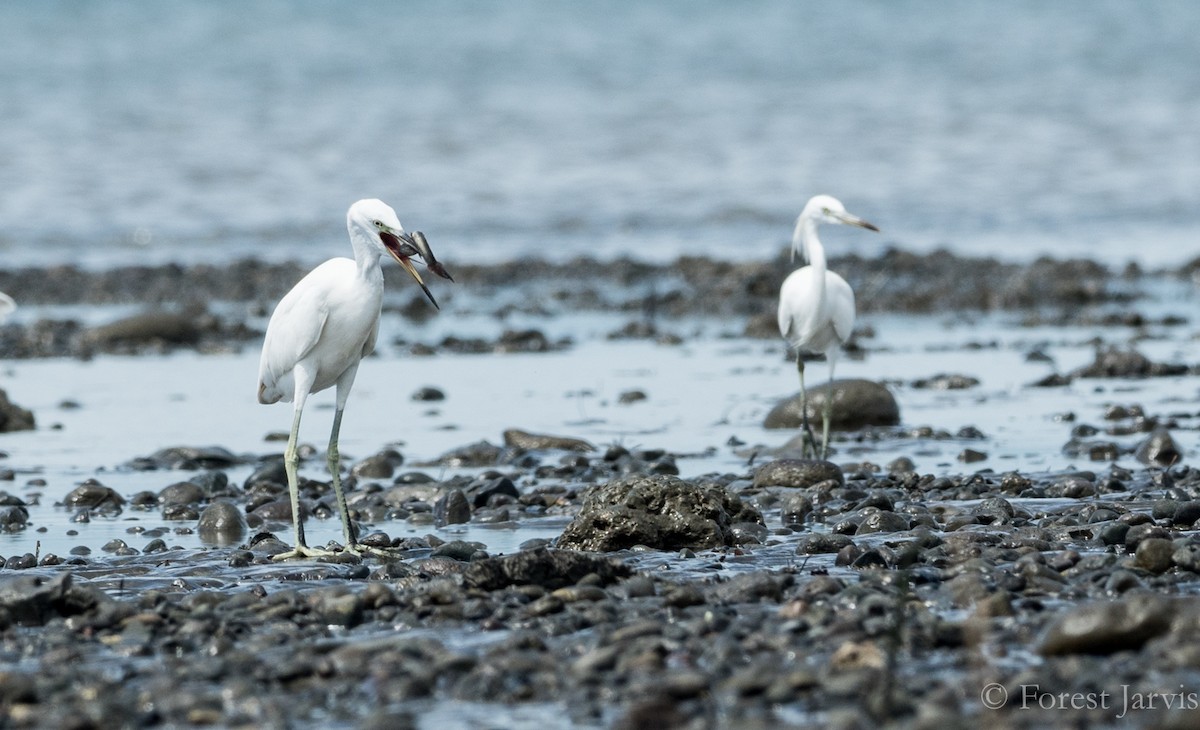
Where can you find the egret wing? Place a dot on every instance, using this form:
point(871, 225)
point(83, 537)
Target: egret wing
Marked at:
point(294, 330)
point(841, 305)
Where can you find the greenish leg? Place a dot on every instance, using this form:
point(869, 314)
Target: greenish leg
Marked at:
point(335, 469)
point(291, 464)
point(809, 439)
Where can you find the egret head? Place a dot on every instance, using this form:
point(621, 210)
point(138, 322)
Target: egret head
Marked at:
point(828, 209)
point(378, 222)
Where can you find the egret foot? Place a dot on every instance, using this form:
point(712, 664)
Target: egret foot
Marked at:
point(387, 554)
point(304, 552)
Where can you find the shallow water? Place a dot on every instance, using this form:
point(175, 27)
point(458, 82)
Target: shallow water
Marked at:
point(703, 396)
point(152, 132)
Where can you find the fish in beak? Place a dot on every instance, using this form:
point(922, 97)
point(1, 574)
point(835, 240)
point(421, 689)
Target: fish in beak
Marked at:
point(403, 247)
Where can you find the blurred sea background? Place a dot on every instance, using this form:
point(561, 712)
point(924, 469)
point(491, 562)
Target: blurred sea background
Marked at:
point(142, 132)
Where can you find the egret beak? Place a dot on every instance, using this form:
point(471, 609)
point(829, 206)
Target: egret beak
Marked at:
point(852, 220)
point(401, 246)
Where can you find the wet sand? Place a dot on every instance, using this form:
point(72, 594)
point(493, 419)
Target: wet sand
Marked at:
point(1035, 539)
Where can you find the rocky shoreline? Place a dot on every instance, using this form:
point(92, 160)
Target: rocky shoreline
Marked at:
point(784, 593)
point(794, 593)
point(180, 302)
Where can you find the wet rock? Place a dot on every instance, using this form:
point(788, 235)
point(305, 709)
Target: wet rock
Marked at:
point(538, 442)
point(794, 507)
point(31, 600)
point(222, 523)
point(1154, 554)
point(188, 458)
point(181, 493)
point(1186, 513)
point(856, 404)
point(452, 508)
point(550, 569)
point(429, 394)
point(1053, 380)
point(480, 453)
point(1111, 362)
point(152, 328)
point(970, 456)
point(881, 521)
point(93, 495)
point(495, 488)
point(1159, 449)
point(13, 417)
point(379, 466)
point(797, 473)
point(631, 396)
point(13, 518)
point(823, 544)
point(662, 512)
point(272, 472)
point(944, 381)
point(1105, 628)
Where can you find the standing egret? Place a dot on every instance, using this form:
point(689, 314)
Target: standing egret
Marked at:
point(322, 329)
point(816, 306)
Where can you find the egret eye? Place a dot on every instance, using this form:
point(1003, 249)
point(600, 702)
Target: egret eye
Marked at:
point(378, 224)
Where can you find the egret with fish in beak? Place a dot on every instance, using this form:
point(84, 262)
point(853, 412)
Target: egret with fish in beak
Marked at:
point(322, 329)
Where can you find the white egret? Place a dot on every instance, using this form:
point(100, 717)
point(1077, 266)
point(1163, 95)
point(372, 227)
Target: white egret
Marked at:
point(816, 306)
point(322, 329)
point(7, 306)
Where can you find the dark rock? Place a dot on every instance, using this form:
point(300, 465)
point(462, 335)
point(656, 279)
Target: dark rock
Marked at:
point(272, 472)
point(970, 456)
point(13, 518)
point(92, 495)
point(945, 381)
point(429, 394)
point(180, 328)
point(798, 473)
point(452, 508)
point(882, 522)
point(550, 569)
point(823, 544)
point(631, 396)
point(660, 511)
point(1154, 554)
point(1111, 362)
point(1105, 628)
point(499, 486)
point(181, 493)
point(856, 404)
point(480, 453)
point(1159, 449)
point(540, 442)
point(13, 417)
point(222, 523)
point(1186, 514)
point(379, 466)
point(189, 458)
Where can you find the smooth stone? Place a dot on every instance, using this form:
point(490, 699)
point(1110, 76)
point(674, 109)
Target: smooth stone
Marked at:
point(857, 403)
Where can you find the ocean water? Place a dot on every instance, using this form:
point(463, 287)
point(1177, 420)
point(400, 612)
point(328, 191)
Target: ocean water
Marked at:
point(150, 132)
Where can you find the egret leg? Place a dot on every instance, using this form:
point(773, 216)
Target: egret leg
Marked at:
point(334, 460)
point(809, 439)
point(827, 409)
point(291, 465)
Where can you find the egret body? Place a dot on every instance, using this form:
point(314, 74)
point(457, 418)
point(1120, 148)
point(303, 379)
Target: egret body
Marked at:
point(322, 329)
point(816, 306)
point(7, 306)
